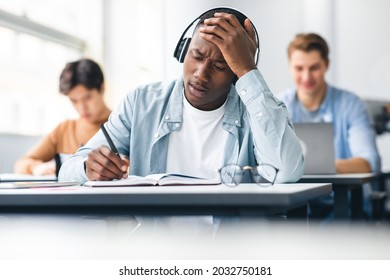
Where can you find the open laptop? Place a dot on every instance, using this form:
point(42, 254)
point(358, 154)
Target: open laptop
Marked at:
point(318, 147)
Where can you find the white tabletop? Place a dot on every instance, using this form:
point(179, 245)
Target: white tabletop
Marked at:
point(213, 196)
point(345, 178)
point(12, 177)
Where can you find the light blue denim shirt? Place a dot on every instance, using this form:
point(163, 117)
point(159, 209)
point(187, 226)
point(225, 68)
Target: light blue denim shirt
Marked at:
point(258, 124)
point(354, 136)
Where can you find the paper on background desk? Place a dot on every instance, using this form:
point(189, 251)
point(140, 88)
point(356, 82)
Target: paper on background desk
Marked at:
point(12, 177)
point(36, 184)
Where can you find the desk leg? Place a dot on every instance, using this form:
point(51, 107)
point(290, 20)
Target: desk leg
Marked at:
point(356, 202)
point(341, 203)
point(299, 213)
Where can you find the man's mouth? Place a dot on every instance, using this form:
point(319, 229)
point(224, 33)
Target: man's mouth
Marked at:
point(197, 90)
point(308, 84)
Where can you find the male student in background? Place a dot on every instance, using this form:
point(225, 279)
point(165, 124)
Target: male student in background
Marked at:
point(82, 81)
point(196, 124)
point(314, 100)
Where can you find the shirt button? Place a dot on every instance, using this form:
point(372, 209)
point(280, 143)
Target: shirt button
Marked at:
point(156, 135)
point(260, 115)
point(236, 121)
point(177, 125)
point(167, 117)
point(243, 92)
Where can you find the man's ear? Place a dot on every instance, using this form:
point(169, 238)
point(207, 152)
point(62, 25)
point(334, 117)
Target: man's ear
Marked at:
point(102, 89)
point(327, 64)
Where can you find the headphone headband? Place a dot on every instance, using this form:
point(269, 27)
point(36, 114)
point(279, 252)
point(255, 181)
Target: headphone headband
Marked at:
point(184, 42)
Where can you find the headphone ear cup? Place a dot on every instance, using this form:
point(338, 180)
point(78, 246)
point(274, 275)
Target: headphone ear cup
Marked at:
point(182, 49)
point(179, 47)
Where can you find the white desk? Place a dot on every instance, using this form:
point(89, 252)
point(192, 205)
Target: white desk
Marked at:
point(343, 184)
point(244, 200)
point(339, 179)
point(12, 177)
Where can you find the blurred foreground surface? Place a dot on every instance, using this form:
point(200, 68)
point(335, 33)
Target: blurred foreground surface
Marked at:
point(105, 238)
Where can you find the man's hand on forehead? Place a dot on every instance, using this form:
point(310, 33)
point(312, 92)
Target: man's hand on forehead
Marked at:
point(237, 45)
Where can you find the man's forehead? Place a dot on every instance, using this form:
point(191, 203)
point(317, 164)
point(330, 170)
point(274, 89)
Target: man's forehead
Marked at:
point(206, 48)
point(300, 55)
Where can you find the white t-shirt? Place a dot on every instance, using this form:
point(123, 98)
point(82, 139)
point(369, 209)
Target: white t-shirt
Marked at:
point(198, 148)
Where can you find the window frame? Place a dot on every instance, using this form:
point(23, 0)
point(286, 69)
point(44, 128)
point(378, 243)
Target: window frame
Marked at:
point(25, 25)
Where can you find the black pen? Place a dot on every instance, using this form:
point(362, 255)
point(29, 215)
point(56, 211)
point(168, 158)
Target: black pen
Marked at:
point(112, 146)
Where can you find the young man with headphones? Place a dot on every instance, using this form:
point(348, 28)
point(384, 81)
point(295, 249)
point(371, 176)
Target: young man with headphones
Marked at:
point(219, 112)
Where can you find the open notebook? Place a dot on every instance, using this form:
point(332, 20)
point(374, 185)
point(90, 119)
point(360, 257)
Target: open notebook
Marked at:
point(165, 179)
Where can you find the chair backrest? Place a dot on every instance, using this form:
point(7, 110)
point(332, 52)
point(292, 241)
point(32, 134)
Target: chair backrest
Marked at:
point(379, 117)
point(12, 147)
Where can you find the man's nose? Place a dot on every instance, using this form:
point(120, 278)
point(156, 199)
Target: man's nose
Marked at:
point(203, 72)
point(306, 75)
point(82, 106)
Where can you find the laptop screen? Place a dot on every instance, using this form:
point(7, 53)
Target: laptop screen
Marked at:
point(318, 147)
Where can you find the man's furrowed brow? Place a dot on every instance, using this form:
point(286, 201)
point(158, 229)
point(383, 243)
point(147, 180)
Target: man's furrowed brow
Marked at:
point(198, 52)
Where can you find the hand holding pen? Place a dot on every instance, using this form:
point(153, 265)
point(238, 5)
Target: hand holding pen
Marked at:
point(112, 146)
point(104, 163)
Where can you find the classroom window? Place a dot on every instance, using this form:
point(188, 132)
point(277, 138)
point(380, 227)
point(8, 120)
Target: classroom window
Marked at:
point(37, 39)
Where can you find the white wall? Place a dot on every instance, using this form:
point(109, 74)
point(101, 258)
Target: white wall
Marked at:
point(363, 47)
point(133, 43)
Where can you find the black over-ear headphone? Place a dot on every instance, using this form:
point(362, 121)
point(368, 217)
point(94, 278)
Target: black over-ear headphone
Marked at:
point(184, 42)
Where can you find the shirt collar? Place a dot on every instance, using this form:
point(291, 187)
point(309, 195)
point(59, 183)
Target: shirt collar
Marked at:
point(233, 108)
point(326, 106)
point(174, 112)
point(326, 109)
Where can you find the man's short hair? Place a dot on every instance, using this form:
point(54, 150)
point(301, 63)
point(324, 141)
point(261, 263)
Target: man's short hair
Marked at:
point(307, 42)
point(240, 16)
point(84, 72)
